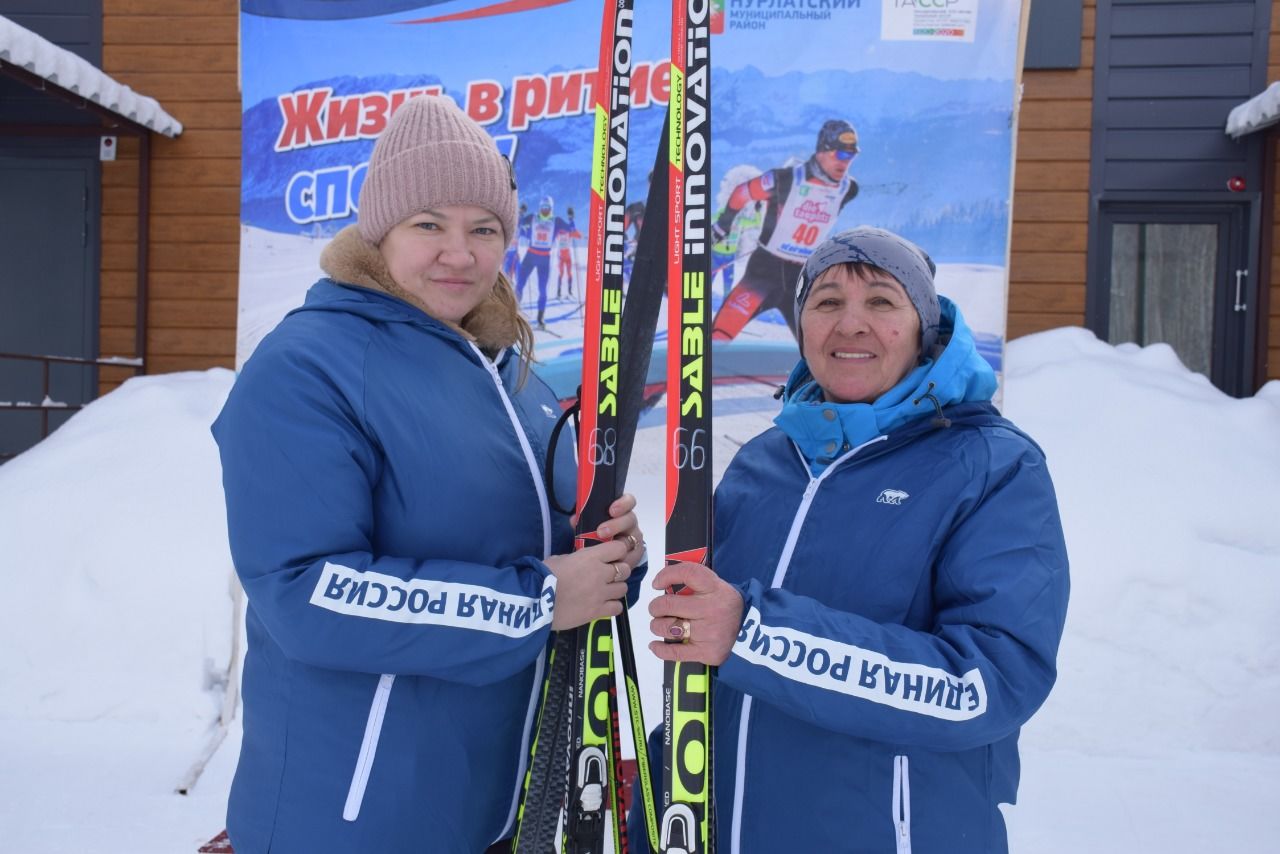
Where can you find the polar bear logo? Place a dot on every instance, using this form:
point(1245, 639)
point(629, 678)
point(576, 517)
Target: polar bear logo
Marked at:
point(892, 496)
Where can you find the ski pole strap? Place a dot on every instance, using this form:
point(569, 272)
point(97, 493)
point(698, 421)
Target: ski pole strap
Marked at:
point(552, 444)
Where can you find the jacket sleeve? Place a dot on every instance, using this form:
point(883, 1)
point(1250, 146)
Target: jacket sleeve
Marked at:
point(1000, 596)
point(299, 469)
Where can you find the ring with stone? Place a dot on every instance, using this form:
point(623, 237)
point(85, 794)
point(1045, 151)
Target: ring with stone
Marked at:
point(683, 630)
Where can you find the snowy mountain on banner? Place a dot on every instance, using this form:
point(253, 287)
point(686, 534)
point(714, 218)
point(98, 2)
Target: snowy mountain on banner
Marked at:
point(898, 116)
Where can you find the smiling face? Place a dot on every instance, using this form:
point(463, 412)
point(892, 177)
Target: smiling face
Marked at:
point(861, 333)
point(448, 257)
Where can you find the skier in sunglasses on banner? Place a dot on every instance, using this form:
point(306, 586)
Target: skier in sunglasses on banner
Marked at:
point(803, 203)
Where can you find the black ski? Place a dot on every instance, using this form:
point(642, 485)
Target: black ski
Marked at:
point(688, 813)
point(547, 777)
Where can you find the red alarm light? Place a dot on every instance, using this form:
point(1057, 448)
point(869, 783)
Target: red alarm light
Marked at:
point(1236, 184)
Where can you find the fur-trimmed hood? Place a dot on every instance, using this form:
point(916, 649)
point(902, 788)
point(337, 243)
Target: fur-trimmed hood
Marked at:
point(350, 259)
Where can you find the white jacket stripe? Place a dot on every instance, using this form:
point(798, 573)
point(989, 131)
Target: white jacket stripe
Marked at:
point(368, 747)
point(784, 562)
point(545, 506)
point(534, 471)
point(534, 694)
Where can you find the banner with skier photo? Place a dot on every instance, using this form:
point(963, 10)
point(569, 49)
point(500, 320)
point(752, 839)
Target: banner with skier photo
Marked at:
point(825, 113)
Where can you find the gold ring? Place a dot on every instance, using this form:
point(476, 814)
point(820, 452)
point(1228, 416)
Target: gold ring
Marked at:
point(617, 570)
point(683, 630)
point(632, 542)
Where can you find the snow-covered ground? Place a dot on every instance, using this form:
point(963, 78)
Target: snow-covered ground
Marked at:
point(1161, 736)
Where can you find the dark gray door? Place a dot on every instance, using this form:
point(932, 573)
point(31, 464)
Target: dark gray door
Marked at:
point(48, 287)
point(1177, 274)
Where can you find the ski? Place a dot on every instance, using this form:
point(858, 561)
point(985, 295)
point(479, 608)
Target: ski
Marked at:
point(639, 325)
point(688, 812)
point(584, 706)
point(596, 787)
point(546, 779)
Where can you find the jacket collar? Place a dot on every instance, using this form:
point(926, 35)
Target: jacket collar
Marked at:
point(957, 375)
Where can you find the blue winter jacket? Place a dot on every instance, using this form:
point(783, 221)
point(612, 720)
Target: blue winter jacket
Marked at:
point(387, 513)
point(902, 614)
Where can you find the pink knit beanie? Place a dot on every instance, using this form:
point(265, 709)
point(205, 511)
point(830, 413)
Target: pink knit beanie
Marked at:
point(432, 154)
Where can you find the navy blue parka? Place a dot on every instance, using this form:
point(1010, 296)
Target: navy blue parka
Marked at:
point(903, 603)
point(388, 520)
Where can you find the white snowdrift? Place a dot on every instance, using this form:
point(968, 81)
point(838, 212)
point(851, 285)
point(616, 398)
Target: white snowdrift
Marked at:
point(114, 549)
point(1168, 495)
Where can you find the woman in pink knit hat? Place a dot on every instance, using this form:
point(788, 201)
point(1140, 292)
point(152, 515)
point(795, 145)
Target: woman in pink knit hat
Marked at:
point(384, 455)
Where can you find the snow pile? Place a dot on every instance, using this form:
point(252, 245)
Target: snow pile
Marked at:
point(114, 544)
point(1260, 111)
point(1168, 495)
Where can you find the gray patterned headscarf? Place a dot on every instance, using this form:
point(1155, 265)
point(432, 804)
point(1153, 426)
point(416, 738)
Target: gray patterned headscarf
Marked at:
point(897, 256)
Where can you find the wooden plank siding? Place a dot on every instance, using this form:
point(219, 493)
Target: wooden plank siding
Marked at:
point(183, 53)
point(1051, 194)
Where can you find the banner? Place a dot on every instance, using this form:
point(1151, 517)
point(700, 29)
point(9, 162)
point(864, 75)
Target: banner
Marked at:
point(913, 101)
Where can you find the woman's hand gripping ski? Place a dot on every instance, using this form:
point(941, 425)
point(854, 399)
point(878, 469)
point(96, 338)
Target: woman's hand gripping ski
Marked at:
point(592, 582)
point(701, 622)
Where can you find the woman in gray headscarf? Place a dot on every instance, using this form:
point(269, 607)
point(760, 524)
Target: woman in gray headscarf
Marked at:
point(890, 581)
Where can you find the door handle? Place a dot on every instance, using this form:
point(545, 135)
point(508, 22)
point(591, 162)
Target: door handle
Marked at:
point(1240, 305)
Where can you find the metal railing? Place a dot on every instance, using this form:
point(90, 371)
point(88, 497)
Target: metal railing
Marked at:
point(47, 404)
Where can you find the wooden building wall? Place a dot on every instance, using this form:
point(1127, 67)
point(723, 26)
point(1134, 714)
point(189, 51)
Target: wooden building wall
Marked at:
point(183, 53)
point(1051, 195)
point(1051, 198)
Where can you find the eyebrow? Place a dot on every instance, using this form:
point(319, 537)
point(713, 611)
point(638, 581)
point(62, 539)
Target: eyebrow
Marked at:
point(487, 218)
point(886, 283)
point(872, 283)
